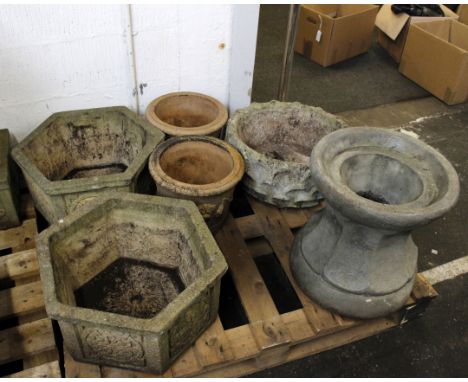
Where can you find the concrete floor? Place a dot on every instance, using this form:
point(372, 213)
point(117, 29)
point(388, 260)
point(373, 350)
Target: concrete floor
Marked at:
point(368, 90)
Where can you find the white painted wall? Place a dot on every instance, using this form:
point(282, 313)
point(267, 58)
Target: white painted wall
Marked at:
point(55, 58)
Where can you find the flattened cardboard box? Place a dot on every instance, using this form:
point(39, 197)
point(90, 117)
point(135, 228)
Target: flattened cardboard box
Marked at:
point(330, 33)
point(436, 58)
point(393, 28)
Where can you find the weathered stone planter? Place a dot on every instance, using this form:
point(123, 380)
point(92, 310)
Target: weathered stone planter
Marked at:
point(276, 139)
point(187, 113)
point(198, 168)
point(74, 156)
point(357, 256)
point(131, 279)
point(9, 184)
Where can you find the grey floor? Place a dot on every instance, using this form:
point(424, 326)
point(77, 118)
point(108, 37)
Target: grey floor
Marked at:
point(368, 90)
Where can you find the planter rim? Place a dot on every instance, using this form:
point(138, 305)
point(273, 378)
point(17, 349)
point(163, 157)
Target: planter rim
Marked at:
point(390, 216)
point(161, 321)
point(167, 128)
point(228, 182)
point(58, 187)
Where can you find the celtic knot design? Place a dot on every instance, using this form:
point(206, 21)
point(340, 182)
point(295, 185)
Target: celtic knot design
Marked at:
point(114, 346)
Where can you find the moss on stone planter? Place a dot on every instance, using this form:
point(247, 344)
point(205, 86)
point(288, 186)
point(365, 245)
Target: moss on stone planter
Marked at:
point(75, 155)
point(131, 279)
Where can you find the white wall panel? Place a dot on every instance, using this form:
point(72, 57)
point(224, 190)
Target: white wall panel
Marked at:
point(63, 57)
point(55, 58)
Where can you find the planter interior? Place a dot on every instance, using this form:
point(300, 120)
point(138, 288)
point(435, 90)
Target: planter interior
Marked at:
point(140, 270)
point(276, 139)
point(198, 168)
point(187, 113)
point(286, 136)
point(133, 265)
point(196, 162)
point(357, 256)
point(92, 145)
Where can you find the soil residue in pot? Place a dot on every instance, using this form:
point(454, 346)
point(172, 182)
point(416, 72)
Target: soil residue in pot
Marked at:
point(194, 162)
point(131, 287)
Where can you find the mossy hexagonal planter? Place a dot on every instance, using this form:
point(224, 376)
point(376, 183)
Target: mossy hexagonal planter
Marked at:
point(75, 155)
point(131, 279)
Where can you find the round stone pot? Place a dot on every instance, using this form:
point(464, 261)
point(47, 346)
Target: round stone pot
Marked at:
point(187, 113)
point(357, 256)
point(198, 168)
point(276, 139)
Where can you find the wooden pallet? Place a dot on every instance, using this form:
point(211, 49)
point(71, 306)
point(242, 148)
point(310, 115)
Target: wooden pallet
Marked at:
point(270, 338)
point(25, 331)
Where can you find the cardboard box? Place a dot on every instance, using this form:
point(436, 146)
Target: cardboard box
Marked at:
point(462, 13)
point(436, 58)
point(393, 29)
point(330, 33)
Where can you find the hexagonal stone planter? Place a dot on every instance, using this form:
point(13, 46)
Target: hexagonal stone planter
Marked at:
point(9, 183)
point(187, 113)
point(75, 155)
point(276, 139)
point(131, 279)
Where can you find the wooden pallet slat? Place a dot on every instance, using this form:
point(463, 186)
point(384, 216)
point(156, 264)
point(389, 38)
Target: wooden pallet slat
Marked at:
point(32, 339)
point(213, 347)
point(28, 339)
point(21, 300)
point(268, 339)
point(46, 370)
point(279, 235)
point(75, 369)
point(19, 238)
point(19, 265)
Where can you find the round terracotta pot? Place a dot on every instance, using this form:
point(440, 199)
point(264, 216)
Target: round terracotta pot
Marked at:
point(198, 168)
point(187, 113)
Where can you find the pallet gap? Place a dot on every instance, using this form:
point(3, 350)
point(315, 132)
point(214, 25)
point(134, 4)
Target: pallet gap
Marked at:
point(59, 343)
point(240, 205)
point(41, 222)
point(5, 251)
point(278, 284)
point(11, 367)
point(7, 283)
point(295, 230)
point(9, 322)
point(231, 312)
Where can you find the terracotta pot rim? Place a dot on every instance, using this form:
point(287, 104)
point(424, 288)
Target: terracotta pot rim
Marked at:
point(173, 130)
point(228, 182)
